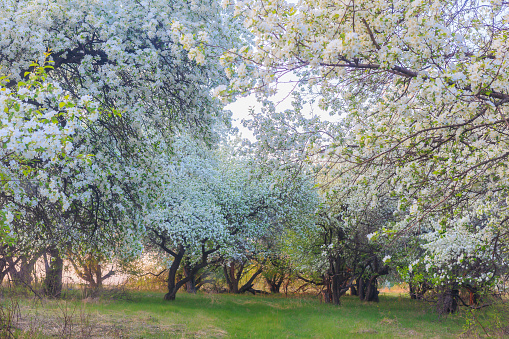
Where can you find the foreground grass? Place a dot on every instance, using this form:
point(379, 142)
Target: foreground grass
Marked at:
point(233, 316)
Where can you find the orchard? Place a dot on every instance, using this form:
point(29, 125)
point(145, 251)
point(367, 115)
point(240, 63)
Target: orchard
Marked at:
point(120, 160)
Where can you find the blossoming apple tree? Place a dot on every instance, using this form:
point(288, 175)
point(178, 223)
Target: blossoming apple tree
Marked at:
point(124, 58)
point(423, 91)
point(38, 125)
point(220, 207)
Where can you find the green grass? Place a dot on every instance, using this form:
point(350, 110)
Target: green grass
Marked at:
point(246, 316)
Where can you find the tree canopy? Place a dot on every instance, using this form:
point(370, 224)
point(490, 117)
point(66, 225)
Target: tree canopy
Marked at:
point(118, 139)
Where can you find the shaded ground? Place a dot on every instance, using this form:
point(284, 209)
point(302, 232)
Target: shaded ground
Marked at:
point(230, 316)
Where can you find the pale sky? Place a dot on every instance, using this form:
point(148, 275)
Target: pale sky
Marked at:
point(240, 110)
point(283, 98)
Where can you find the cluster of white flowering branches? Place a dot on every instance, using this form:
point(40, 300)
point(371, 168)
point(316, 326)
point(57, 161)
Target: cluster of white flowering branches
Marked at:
point(120, 64)
point(214, 206)
point(216, 200)
point(38, 125)
point(422, 89)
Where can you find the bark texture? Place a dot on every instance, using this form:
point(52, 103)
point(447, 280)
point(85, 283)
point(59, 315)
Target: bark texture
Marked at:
point(54, 271)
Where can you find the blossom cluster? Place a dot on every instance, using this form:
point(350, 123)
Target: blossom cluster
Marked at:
point(422, 92)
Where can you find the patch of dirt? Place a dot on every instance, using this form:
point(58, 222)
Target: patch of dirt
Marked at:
point(214, 299)
point(174, 329)
point(410, 334)
point(90, 300)
point(244, 302)
point(66, 320)
point(210, 332)
point(366, 331)
point(401, 289)
point(389, 321)
point(281, 306)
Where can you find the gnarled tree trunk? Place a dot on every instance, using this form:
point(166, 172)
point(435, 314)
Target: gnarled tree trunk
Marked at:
point(338, 279)
point(191, 283)
point(473, 294)
point(372, 290)
point(54, 271)
point(412, 290)
point(353, 289)
point(173, 286)
point(23, 276)
point(448, 301)
point(275, 283)
point(233, 273)
point(361, 288)
point(89, 269)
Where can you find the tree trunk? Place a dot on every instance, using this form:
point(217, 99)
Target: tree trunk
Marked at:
point(448, 303)
point(172, 274)
point(98, 277)
point(248, 286)
point(173, 285)
point(336, 289)
point(3, 264)
point(232, 277)
point(372, 290)
point(2, 275)
point(474, 296)
point(413, 293)
point(191, 284)
point(8, 267)
point(201, 280)
point(90, 270)
point(23, 277)
point(53, 280)
point(361, 288)
point(328, 288)
point(274, 288)
point(353, 290)
point(274, 283)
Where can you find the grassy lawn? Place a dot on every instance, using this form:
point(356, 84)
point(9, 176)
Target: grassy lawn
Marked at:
point(234, 316)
